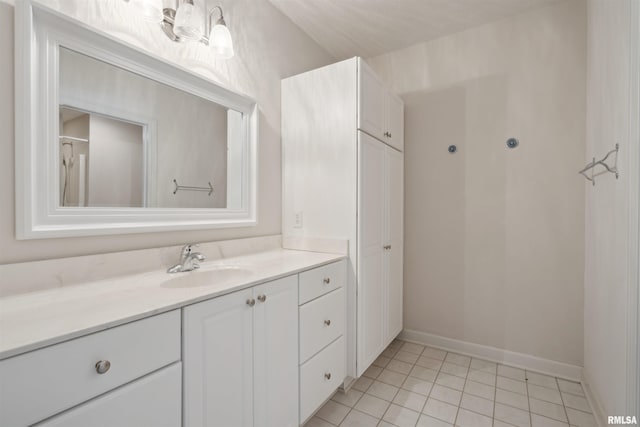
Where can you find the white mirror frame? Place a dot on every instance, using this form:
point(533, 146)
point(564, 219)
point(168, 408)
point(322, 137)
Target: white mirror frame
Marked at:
point(40, 32)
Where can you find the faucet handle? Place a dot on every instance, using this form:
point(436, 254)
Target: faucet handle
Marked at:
point(186, 249)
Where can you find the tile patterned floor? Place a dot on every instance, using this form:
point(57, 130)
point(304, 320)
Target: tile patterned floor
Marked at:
point(410, 385)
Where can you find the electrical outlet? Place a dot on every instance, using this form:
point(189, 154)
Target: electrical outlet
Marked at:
point(297, 219)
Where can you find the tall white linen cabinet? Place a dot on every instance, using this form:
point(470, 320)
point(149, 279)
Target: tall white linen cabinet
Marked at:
point(342, 159)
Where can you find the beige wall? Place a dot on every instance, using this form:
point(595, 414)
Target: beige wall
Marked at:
point(268, 48)
point(608, 277)
point(494, 238)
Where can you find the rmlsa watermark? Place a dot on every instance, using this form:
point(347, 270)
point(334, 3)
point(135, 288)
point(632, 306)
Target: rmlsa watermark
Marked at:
point(621, 419)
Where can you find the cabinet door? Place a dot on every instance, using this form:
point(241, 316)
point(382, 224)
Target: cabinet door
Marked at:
point(371, 103)
point(154, 400)
point(394, 201)
point(218, 362)
point(275, 332)
point(394, 118)
point(370, 288)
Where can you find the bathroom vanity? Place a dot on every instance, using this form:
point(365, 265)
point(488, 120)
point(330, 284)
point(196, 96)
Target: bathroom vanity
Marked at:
point(254, 340)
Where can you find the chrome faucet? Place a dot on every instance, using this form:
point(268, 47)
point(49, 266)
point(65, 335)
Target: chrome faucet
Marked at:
point(188, 260)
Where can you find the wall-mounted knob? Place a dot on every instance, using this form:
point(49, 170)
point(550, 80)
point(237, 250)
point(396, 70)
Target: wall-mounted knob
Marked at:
point(386, 247)
point(389, 134)
point(262, 298)
point(327, 322)
point(103, 366)
point(327, 375)
point(326, 280)
point(251, 302)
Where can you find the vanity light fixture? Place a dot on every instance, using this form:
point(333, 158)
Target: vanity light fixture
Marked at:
point(187, 22)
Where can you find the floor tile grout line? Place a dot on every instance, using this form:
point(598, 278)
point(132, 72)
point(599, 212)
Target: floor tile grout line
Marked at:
point(526, 381)
point(427, 397)
point(433, 384)
point(566, 414)
point(455, 421)
point(495, 397)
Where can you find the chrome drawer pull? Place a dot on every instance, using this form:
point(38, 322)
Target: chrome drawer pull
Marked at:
point(262, 298)
point(327, 322)
point(326, 280)
point(251, 302)
point(327, 375)
point(103, 366)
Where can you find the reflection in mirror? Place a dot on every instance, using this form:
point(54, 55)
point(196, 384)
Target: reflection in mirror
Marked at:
point(100, 161)
point(129, 141)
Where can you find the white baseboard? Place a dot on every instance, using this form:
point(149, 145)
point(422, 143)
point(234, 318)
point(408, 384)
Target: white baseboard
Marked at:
point(595, 403)
point(494, 354)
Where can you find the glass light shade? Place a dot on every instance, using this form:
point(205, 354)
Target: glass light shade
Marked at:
point(189, 21)
point(149, 10)
point(221, 42)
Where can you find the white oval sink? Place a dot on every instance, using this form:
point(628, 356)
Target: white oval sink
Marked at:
point(199, 278)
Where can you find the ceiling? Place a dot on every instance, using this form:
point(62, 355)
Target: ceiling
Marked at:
point(367, 28)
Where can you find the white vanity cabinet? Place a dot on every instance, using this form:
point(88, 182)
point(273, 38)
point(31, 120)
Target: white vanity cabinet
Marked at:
point(240, 354)
point(45, 382)
point(380, 112)
point(154, 400)
point(342, 159)
point(322, 343)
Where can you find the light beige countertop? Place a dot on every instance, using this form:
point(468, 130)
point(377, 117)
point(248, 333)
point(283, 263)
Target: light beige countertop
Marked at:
point(38, 319)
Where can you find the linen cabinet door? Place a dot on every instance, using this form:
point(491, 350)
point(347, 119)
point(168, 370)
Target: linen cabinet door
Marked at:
point(394, 200)
point(370, 288)
point(371, 103)
point(395, 121)
point(275, 335)
point(218, 361)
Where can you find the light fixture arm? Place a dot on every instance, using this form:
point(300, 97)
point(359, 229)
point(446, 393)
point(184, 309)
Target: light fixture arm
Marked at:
point(209, 23)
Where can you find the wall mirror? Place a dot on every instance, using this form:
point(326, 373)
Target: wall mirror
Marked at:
point(111, 140)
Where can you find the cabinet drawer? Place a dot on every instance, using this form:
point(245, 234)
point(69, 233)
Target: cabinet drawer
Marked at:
point(320, 377)
point(154, 400)
point(319, 281)
point(321, 322)
point(36, 385)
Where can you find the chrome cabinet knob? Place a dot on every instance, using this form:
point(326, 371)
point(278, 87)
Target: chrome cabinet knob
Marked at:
point(326, 280)
point(251, 302)
point(103, 366)
point(327, 375)
point(262, 298)
point(327, 322)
